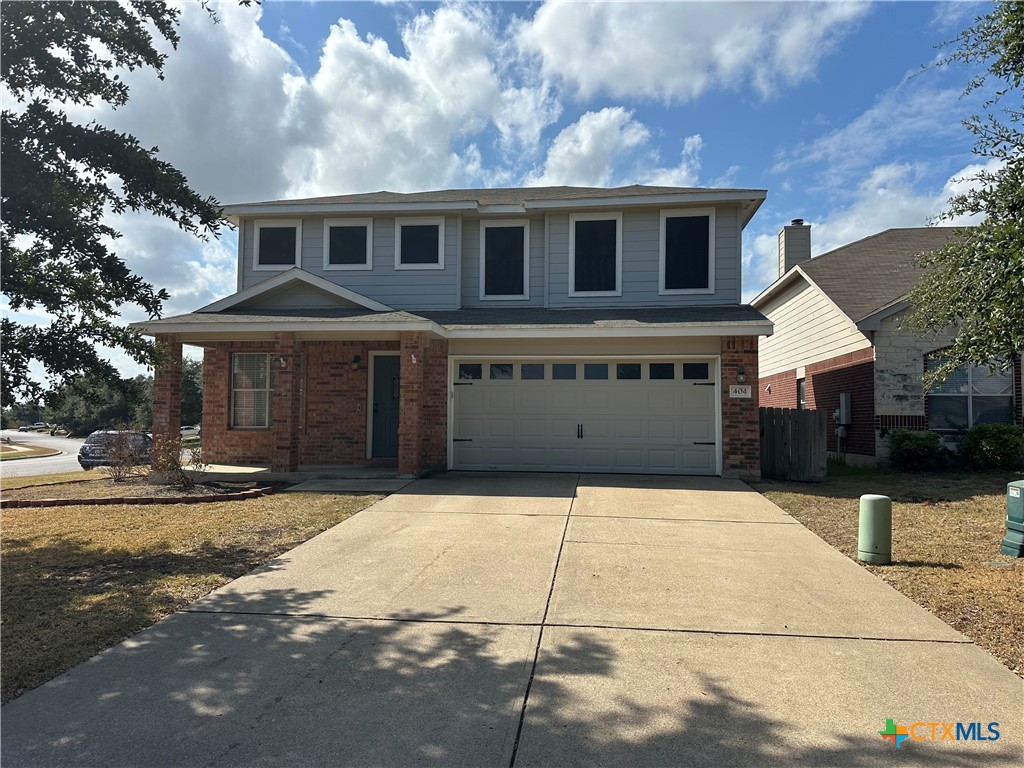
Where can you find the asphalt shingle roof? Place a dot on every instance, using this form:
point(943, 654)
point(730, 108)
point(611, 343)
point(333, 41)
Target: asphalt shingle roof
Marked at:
point(501, 196)
point(873, 273)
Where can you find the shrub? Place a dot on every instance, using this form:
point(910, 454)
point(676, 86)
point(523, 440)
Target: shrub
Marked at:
point(167, 463)
point(993, 446)
point(914, 450)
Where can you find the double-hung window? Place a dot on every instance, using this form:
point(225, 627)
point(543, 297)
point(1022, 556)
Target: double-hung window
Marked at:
point(278, 245)
point(419, 242)
point(251, 388)
point(595, 254)
point(687, 251)
point(970, 395)
point(348, 244)
point(504, 260)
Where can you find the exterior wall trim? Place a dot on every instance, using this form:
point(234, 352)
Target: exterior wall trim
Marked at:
point(368, 265)
point(260, 223)
point(294, 274)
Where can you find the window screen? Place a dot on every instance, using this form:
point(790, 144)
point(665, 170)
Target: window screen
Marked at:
point(595, 262)
point(503, 261)
point(277, 246)
point(347, 245)
point(687, 240)
point(419, 244)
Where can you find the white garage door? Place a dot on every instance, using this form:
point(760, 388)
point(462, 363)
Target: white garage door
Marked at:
point(654, 416)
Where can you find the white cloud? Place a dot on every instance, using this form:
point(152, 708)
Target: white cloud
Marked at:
point(890, 195)
point(586, 153)
point(677, 51)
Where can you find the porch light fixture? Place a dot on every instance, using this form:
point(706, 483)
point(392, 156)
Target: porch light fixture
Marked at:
point(741, 374)
point(356, 359)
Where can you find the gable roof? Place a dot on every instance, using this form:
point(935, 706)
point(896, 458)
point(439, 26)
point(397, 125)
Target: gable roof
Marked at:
point(870, 274)
point(507, 199)
point(280, 283)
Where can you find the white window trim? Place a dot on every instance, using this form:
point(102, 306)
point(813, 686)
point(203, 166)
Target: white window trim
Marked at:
point(268, 389)
point(258, 225)
point(368, 224)
point(573, 218)
point(484, 226)
point(412, 221)
point(679, 213)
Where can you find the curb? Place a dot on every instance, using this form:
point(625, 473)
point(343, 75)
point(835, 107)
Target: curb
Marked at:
point(55, 452)
point(252, 493)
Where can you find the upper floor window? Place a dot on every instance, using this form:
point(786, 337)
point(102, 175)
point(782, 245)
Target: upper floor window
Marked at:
point(251, 388)
point(348, 244)
point(419, 243)
point(278, 244)
point(687, 252)
point(970, 395)
point(504, 260)
point(595, 254)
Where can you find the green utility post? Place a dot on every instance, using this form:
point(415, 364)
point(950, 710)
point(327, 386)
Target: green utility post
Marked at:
point(1013, 541)
point(874, 538)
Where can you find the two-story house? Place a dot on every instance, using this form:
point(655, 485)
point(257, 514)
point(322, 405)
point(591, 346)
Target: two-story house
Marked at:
point(548, 328)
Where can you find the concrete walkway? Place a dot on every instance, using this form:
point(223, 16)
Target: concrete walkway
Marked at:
point(536, 620)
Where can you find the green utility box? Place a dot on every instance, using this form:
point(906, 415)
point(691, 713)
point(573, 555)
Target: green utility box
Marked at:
point(1013, 541)
point(874, 533)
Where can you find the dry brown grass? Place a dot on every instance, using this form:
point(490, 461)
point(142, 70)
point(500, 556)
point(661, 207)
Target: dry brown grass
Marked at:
point(79, 579)
point(31, 481)
point(946, 534)
point(9, 453)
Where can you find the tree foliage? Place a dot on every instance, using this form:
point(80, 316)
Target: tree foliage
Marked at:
point(975, 283)
point(88, 403)
point(59, 180)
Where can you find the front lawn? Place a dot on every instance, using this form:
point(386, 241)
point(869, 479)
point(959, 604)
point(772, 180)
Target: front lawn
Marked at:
point(78, 579)
point(946, 534)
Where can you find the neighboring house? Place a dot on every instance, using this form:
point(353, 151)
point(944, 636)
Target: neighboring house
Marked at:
point(551, 328)
point(838, 329)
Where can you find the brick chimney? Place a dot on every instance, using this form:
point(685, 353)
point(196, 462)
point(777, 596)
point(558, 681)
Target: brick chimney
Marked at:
point(794, 245)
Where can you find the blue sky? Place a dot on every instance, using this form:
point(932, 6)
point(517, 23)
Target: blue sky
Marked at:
point(825, 105)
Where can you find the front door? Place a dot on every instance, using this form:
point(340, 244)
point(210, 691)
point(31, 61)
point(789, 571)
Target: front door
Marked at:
point(386, 378)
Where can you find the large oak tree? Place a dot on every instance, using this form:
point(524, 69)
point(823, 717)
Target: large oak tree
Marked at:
point(975, 283)
point(60, 179)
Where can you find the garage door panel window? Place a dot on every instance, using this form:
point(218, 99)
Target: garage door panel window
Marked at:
point(471, 371)
point(563, 371)
point(531, 371)
point(698, 371)
point(595, 262)
point(687, 252)
point(501, 372)
point(627, 371)
point(595, 371)
point(504, 260)
point(662, 371)
point(970, 395)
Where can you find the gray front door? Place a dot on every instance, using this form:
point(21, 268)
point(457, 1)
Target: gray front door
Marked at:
point(386, 378)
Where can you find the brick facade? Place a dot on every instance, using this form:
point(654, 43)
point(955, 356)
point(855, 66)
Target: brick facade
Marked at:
point(221, 443)
point(779, 390)
point(741, 443)
point(167, 397)
point(423, 418)
point(851, 373)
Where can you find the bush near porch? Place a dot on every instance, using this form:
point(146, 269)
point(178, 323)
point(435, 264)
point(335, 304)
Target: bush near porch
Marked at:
point(946, 534)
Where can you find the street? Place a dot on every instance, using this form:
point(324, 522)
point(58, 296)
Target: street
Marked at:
point(66, 461)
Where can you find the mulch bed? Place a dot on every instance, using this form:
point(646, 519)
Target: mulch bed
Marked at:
point(100, 492)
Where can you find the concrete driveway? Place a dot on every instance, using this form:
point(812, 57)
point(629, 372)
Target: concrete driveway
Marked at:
point(537, 620)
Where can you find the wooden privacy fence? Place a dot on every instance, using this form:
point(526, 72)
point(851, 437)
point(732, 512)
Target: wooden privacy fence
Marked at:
point(793, 444)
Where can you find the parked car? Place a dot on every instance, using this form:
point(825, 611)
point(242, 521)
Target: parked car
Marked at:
point(99, 447)
point(37, 427)
point(190, 431)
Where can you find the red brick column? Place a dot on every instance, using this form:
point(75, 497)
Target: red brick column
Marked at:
point(286, 361)
point(434, 407)
point(741, 441)
point(413, 354)
point(167, 398)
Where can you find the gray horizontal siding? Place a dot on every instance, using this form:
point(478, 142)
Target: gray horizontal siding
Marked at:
point(471, 265)
point(641, 234)
point(401, 289)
